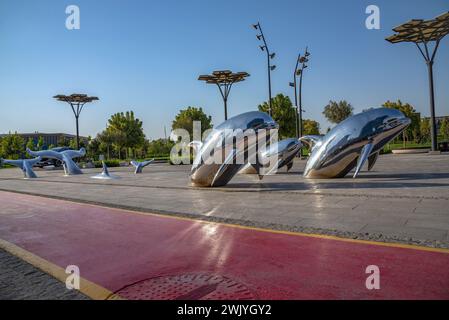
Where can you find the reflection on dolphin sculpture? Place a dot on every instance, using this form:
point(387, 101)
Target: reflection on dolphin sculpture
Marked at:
point(25, 164)
point(278, 155)
point(353, 141)
point(70, 167)
point(140, 165)
point(206, 172)
point(105, 175)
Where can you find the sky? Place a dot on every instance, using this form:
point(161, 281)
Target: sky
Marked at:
point(146, 56)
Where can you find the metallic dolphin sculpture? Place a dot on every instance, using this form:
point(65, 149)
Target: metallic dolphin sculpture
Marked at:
point(25, 164)
point(105, 175)
point(140, 165)
point(70, 167)
point(219, 144)
point(353, 141)
point(277, 155)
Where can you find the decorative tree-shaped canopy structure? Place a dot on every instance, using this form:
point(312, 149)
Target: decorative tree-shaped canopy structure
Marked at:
point(76, 102)
point(422, 33)
point(224, 79)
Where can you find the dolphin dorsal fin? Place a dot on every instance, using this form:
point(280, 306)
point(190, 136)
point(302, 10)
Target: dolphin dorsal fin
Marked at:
point(364, 154)
point(372, 160)
point(105, 169)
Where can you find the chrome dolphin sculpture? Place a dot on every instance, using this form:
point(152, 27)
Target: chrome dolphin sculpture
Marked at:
point(25, 164)
point(206, 171)
point(70, 167)
point(140, 165)
point(353, 141)
point(278, 155)
point(105, 175)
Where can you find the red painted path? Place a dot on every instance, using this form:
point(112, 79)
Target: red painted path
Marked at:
point(115, 248)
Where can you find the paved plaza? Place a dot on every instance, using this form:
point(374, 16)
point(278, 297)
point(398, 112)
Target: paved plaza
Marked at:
point(135, 242)
point(404, 199)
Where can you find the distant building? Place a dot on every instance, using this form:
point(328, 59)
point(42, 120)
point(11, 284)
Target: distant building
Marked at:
point(50, 139)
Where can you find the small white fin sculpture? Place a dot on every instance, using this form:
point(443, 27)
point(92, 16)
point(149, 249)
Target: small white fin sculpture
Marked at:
point(105, 175)
point(140, 165)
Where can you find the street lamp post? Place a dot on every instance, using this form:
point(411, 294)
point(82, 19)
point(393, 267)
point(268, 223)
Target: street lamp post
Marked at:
point(224, 79)
point(270, 56)
point(299, 70)
point(76, 102)
point(422, 33)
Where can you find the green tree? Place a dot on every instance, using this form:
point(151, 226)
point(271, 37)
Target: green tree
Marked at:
point(159, 147)
point(336, 112)
point(105, 140)
point(444, 128)
point(12, 146)
point(184, 120)
point(283, 113)
point(63, 142)
point(127, 131)
point(40, 143)
point(74, 146)
point(425, 130)
point(311, 127)
point(413, 130)
point(30, 144)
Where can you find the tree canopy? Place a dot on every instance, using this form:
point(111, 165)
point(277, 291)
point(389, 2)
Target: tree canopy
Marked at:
point(444, 128)
point(184, 120)
point(125, 131)
point(413, 131)
point(336, 112)
point(12, 146)
point(283, 113)
point(310, 127)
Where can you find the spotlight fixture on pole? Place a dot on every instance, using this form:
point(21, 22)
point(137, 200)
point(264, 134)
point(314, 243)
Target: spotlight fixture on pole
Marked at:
point(422, 33)
point(301, 64)
point(76, 102)
point(224, 79)
point(269, 57)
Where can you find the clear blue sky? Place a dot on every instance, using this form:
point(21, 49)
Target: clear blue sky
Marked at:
point(146, 56)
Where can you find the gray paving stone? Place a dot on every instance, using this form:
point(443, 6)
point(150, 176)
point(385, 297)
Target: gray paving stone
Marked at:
point(19, 281)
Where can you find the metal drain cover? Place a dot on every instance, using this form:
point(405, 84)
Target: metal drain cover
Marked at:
point(194, 286)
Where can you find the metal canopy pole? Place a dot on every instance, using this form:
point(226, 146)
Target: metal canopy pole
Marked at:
point(224, 79)
point(422, 33)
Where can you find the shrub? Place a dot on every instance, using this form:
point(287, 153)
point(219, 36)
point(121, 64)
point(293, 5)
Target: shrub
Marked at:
point(109, 163)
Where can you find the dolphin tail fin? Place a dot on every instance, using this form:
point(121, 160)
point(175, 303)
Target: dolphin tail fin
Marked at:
point(364, 154)
point(372, 160)
point(15, 163)
point(31, 152)
point(70, 166)
point(145, 163)
point(28, 168)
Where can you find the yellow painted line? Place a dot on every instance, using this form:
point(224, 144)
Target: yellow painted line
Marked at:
point(90, 289)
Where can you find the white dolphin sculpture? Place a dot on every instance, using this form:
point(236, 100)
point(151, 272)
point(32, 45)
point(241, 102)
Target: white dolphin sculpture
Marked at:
point(140, 165)
point(70, 167)
point(25, 164)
